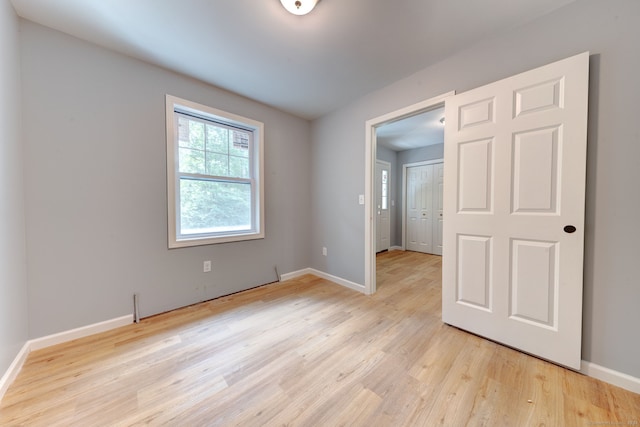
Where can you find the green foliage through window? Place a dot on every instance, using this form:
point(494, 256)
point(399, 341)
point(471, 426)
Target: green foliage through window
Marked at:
point(210, 206)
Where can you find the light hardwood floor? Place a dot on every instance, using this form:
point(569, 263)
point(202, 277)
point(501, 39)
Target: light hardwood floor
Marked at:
point(310, 353)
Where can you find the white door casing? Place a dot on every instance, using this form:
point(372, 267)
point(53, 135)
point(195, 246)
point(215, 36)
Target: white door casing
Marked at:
point(369, 182)
point(383, 201)
point(515, 164)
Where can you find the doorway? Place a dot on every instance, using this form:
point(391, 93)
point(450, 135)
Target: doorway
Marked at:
point(508, 245)
point(375, 132)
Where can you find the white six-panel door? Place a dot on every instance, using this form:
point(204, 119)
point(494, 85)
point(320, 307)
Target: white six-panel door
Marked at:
point(515, 156)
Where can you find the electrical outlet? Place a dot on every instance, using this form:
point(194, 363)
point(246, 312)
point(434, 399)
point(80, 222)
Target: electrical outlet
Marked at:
point(361, 199)
point(206, 267)
point(324, 251)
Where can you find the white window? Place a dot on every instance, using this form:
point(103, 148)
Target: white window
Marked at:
point(214, 175)
point(385, 188)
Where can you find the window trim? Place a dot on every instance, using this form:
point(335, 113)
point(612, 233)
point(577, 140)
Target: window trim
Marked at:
point(173, 104)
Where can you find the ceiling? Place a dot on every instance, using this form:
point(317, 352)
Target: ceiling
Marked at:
point(413, 132)
point(306, 65)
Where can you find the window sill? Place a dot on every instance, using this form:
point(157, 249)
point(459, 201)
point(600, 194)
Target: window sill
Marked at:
point(201, 241)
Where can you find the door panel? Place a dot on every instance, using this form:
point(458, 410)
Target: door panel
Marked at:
point(475, 176)
point(477, 113)
point(540, 96)
point(535, 174)
point(474, 280)
point(534, 282)
point(515, 163)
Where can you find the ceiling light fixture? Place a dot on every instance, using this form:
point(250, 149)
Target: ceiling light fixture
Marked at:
point(299, 7)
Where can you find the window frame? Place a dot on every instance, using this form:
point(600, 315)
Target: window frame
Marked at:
point(175, 105)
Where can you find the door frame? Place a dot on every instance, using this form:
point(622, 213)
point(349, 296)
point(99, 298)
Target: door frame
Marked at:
point(388, 167)
point(404, 193)
point(369, 173)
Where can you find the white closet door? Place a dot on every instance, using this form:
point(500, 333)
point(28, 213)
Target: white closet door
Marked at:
point(420, 208)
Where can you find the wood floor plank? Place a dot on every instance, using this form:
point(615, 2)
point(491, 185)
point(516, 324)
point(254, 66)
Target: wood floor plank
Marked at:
point(308, 352)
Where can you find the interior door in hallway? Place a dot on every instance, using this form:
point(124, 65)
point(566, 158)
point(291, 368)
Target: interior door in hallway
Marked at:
point(383, 217)
point(419, 208)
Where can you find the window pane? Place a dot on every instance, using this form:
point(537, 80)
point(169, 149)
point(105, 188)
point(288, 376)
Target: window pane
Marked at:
point(385, 180)
point(239, 167)
point(191, 161)
point(217, 139)
point(190, 133)
point(240, 144)
point(183, 131)
point(217, 164)
point(210, 207)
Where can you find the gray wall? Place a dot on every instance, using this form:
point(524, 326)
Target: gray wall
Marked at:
point(13, 282)
point(96, 205)
point(422, 154)
point(610, 31)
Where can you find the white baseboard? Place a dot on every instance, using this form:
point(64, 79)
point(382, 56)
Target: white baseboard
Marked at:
point(59, 338)
point(396, 248)
point(339, 280)
point(14, 369)
point(610, 376)
point(294, 274)
point(84, 331)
